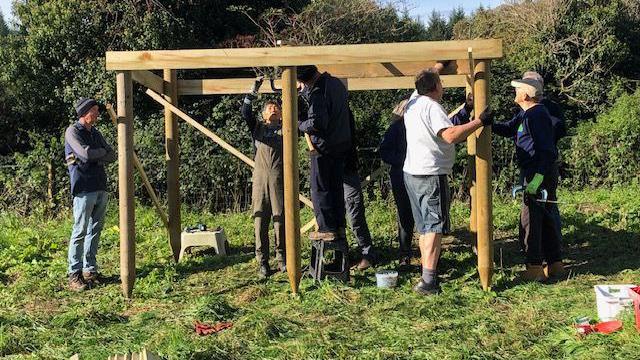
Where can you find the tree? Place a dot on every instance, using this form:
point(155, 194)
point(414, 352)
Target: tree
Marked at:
point(437, 28)
point(4, 29)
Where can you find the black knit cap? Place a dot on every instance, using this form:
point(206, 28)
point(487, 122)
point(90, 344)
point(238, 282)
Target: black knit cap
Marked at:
point(83, 105)
point(306, 72)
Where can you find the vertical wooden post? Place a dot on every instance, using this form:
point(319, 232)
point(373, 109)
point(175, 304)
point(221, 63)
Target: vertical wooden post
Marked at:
point(125, 182)
point(483, 179)
point(291, 175)
point(471, 176)
point(172, 157)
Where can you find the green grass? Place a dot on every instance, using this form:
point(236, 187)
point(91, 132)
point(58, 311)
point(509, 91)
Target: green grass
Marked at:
point(40, 319)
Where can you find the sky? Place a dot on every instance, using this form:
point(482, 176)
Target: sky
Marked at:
point(420, 9)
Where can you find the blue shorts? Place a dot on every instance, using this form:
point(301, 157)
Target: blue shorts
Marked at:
point(429, 198)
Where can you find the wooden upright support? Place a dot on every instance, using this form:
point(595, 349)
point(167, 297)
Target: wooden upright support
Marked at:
point(483, 178)
point(125, 182)
point(172, 156)
point(471, 154)
point(291, 175)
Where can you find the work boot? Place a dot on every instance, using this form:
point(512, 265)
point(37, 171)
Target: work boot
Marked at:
point(264, 271)
point(533, 273)
point(405, 261)
point(76, 282)
point(364, 264)
point(555, 270)
point(323, 236)
point(427, 289)
point(91, 277)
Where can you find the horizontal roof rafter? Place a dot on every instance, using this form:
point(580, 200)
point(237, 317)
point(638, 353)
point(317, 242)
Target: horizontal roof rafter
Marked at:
point(303, 55)
point(242, 86)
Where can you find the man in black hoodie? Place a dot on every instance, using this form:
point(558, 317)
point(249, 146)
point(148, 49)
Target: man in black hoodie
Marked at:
point(327, 124)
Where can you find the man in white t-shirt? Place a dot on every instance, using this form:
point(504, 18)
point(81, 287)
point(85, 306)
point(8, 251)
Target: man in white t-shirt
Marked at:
point(431, 139)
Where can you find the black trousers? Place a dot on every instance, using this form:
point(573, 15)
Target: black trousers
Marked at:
point(354, 203)
point(327, 193)
point(404, 216)
point(540, 234)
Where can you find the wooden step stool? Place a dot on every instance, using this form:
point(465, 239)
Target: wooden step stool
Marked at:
point(215, 239)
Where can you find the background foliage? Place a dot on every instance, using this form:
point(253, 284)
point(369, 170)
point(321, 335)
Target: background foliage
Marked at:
point(587, 50)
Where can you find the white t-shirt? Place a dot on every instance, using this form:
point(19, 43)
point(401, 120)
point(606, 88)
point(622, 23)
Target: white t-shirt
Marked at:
point(427, 153)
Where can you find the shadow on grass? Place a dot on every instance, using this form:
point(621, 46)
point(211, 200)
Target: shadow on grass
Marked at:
point(205, 260)
point(588, 248)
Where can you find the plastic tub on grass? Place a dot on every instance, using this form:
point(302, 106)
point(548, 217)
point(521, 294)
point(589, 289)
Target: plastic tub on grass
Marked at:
point(386, 279)
point(612, 299)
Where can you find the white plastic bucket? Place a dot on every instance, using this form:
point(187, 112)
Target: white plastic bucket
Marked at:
point(386, 279)
point(612, 299)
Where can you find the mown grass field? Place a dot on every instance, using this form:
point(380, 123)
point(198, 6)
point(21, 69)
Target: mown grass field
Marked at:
point(40, 319)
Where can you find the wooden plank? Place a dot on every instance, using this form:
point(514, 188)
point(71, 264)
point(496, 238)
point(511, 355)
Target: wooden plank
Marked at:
point(302, 55)
point(404, 68)
point(402, 82)
point(143, 175)
point(149, 80)
point(125, 182)
point(484, 212)
point(240, 86)
point(172, 159)
point(210, 134)
point(291, 176)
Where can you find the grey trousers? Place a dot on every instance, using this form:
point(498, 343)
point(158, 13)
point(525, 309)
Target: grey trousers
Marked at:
point(267, 198)
point(354, 204)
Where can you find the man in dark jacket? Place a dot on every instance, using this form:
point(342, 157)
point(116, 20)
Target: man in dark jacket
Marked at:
point(533, 132)
point(267, 192)
point(559, 131)
point(86, 153)
point(327, 124)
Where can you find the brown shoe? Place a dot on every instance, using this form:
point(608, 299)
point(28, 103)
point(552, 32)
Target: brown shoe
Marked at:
point(364, 264)
point(323, 236)
point(76, 282)
point(91, 277)
point(533, 273)
point(555, 270)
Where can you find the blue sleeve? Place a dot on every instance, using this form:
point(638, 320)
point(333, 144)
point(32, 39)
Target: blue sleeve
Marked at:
point(317, 115)
point(461, 117)
point(393, 146)
point(247, 113)
point(543, 143)
point(507, 128)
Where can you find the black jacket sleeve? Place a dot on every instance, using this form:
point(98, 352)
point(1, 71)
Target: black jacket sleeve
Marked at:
point(247, 113)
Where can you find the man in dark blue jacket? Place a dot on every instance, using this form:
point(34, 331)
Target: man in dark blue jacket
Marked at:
point(533, 132)
point(86, 153)
point(560, 130)
point(327, 124)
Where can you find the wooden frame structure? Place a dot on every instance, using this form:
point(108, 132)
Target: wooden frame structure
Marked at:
point(362, 67)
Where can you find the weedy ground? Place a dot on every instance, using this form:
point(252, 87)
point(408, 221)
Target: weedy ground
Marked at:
point(41, 319)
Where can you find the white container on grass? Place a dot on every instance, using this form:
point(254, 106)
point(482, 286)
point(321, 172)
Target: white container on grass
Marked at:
point(386, 279)
point(612, 299)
